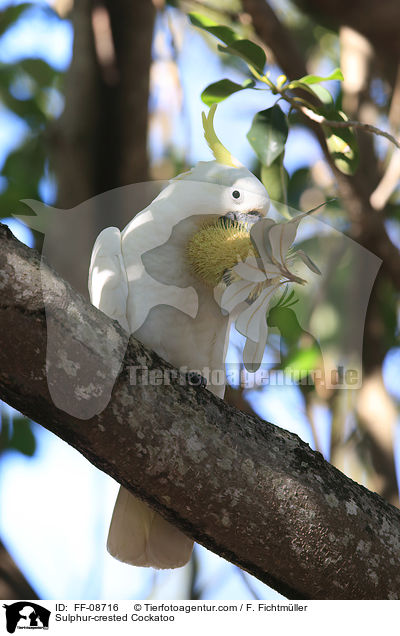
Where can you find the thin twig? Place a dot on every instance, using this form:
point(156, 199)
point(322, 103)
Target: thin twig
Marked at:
point(298, 104)
point(351, 123)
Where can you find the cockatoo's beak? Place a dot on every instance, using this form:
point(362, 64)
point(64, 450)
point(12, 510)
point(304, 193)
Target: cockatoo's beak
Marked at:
point(246, 218)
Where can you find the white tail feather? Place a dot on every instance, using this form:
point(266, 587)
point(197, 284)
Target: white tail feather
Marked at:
point(140, 536)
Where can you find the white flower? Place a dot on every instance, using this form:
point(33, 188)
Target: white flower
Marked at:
point(251, 284)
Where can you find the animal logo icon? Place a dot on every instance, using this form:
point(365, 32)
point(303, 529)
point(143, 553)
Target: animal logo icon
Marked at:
point(25, 614)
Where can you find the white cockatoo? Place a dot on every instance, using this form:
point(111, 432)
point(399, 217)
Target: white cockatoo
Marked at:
point(159, 278)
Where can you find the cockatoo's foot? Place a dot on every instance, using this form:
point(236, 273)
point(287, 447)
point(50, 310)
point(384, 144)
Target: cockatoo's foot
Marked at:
point(195, 379)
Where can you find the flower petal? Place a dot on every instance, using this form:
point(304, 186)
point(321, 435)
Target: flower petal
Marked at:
point(249, 270)
point(307, 261)
point(234, 294)
point(250, 321)
point(259, 238)
point(281, 237)
point(272, 271)
point(253, 352)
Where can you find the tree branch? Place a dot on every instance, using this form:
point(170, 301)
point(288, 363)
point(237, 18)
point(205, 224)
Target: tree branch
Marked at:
point(251, 492)
point(100, 141)
point(367, 224)
point(298, 104)
point(351, 123)
point(275, 35)
point(376, 21)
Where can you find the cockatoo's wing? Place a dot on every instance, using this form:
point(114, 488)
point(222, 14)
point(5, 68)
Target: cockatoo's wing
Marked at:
point(108, 285)
point(137, 535)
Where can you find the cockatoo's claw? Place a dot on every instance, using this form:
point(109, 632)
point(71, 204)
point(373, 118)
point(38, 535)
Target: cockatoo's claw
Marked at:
point(195, 379)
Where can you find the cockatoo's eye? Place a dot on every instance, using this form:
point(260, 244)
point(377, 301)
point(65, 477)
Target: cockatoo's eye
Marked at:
point(236, 195)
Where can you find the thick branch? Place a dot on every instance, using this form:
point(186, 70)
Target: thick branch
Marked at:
point(279, 39)
point(378, 21)
point(251, 492)
point(100, 141)
point(132, 30)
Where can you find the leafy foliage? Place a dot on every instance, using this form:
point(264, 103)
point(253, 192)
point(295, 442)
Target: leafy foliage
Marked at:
point(25, 92)
point(11, 14)
point(276, 178)
point(269, 129)
point(16, 434)
point(224, 33)
point(250, 53)
point(26, 89)
point(217, 92)
point(342, 144)
point(316, 79)
point(268, 134)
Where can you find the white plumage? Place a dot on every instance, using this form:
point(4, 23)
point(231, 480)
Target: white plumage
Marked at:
point(141, 278)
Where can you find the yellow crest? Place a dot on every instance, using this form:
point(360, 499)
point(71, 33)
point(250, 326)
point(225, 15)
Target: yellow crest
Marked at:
point(221, 154)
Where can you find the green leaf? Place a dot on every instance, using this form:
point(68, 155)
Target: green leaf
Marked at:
point(7, 75)
point(304, 360)
point(224, 33)
point(39, 70)
point(268, 134)
point(342, 143)
point(275, 179)
point(5, 426)
point(11, 14)
point(28, 109)
point(323, 94)
point(320, 91)
point(23, 438)
point(251, 53)
point(23, 169)
point(217, 92)
point(248, 83)
point(286, 320)
point(315, 79)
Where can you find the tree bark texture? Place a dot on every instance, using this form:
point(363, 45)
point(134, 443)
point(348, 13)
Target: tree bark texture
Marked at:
point(100, 141)
point(251, 492)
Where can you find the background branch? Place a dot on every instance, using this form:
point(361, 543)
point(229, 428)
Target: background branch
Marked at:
point(350, 123)
point(100, 140)
point(367, 225)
